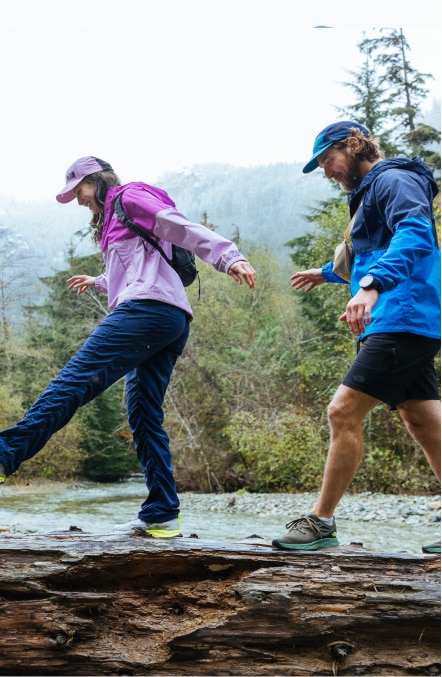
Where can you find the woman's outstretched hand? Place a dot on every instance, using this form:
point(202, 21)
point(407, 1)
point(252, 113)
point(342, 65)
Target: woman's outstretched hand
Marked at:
point(81, 283)
point(242, 270)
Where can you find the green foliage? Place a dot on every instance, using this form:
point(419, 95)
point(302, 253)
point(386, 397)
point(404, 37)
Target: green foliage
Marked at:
point(331, 344)
point(11, 409)
point(241, 351)
point(419, 139)
point(108, 455)
point(325, 304)
point(384, 470)
point(61, 459)
point(283, 450)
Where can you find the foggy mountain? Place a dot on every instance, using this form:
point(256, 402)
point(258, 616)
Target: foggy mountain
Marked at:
point(266, 204)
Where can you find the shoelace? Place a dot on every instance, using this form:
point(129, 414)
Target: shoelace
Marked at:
point(302, 524)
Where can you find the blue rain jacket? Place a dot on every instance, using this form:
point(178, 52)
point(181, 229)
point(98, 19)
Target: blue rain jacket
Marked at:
point(394, 239)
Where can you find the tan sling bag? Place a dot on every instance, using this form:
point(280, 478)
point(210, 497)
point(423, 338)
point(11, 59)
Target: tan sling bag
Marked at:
point(344, 252)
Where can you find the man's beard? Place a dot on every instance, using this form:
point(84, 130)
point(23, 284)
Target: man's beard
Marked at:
point(353, 176)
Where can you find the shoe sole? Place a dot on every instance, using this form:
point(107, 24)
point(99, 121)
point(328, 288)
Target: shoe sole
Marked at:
point(315, 545)
point(431, 551)
point(163, 534)
point(159, 533)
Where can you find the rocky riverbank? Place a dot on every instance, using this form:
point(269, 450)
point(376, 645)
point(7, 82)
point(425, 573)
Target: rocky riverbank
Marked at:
point(365, 507)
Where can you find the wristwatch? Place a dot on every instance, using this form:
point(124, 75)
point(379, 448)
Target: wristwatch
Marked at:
point(369, 282)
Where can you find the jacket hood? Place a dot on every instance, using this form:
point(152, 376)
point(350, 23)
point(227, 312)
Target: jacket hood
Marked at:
point(412, 165)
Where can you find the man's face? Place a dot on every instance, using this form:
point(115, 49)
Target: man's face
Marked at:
point(341, 166)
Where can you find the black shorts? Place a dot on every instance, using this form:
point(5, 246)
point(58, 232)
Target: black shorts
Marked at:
point(395, 367)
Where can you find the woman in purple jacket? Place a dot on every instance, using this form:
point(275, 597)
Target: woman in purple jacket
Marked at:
point(142, 336)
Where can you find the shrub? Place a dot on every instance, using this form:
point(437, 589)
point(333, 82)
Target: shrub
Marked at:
point(283, 452)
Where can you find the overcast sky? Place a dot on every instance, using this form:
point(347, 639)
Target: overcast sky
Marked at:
point(152, 86)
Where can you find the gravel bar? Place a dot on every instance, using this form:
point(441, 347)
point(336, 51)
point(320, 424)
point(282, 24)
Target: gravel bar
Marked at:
point(366, 507)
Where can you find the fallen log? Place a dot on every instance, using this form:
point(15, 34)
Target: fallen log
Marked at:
point(73, 603)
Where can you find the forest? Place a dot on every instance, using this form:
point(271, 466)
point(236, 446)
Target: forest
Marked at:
point(246, 407)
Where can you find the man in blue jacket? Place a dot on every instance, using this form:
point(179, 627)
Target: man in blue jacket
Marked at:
point(394, 310)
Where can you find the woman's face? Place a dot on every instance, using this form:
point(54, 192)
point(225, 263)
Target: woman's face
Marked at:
point(85, 194)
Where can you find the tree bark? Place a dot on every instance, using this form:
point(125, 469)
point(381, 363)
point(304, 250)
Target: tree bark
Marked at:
point(73, 603)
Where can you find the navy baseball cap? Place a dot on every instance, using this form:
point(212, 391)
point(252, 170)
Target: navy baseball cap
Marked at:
point(330, 135)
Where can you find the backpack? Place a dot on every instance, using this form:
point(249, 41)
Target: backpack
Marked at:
point(182, 261)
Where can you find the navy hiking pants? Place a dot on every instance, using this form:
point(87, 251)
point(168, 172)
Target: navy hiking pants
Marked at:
point(141, 340)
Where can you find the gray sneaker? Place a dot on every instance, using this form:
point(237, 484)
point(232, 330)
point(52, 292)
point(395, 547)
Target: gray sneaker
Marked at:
point(432, 548)
point(307, 533)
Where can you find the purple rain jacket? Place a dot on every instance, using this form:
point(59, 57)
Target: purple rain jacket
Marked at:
point(135, 269)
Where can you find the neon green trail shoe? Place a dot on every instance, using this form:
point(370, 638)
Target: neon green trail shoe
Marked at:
point(2, 474)
point(170, 529)
point(307, 533)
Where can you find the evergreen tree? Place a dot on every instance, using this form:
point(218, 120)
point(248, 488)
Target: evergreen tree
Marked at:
point(15, 285)
point(332, 346)
point(389, 85)
point(389, 94)
point(330, 219)
point(371, 102)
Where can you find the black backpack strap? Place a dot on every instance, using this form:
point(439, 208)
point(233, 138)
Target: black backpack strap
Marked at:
point(122, 216)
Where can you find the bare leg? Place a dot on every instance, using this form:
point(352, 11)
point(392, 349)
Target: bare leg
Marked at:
point(422, 419)
point(346, 412)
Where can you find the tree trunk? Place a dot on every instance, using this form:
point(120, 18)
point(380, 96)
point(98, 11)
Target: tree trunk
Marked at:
point(73, 603)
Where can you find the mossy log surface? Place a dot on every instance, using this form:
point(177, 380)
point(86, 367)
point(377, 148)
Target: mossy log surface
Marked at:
point(73, 603)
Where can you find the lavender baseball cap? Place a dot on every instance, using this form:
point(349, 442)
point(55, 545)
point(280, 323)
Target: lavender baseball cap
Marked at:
point(338, 131)
point(77, 172)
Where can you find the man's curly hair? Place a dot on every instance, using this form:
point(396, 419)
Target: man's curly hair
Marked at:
point(369, 145)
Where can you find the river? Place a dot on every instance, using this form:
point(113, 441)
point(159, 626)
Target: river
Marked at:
point(381, 522)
